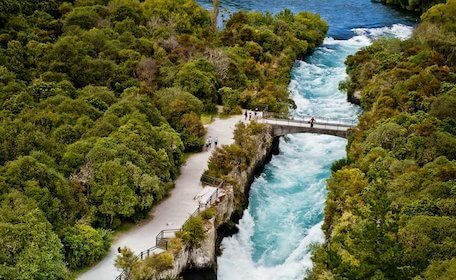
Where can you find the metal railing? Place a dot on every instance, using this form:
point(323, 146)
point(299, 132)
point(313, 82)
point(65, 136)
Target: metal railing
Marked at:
point(258, 107)
point(162, 238)
point(305, 119)
point(212, 199)
point(211, 181)
point(330, 124)
point(122, 276)
point(205, 205)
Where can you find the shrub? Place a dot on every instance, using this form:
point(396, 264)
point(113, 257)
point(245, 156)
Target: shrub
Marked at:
point(175, 246)
point(208, 213)
point(160, 262)
point(193, 232)
point(339, 164)
point(85, 245)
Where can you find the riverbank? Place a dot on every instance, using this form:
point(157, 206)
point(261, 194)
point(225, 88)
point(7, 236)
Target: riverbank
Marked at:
point(287, 201)
point(390, 209)
point(194, 248)
point(201, 264)
point(172, 212)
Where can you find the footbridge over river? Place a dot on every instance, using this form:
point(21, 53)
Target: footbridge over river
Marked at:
point(283, 126)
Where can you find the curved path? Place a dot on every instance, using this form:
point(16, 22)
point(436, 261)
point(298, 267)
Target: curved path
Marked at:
point(173, 211)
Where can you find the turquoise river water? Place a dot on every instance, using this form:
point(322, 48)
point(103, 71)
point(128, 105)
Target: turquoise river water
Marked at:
point(286, 201)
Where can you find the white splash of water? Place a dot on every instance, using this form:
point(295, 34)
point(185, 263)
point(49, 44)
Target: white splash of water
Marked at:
point(285, 213)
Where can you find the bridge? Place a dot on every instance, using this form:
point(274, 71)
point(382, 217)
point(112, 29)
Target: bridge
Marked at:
point(283, 126)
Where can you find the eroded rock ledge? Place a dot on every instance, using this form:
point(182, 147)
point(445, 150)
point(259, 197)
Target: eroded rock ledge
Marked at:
point(200, 263)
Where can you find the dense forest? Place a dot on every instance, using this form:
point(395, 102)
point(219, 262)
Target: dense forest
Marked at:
point(101, 99)
point(391, 208)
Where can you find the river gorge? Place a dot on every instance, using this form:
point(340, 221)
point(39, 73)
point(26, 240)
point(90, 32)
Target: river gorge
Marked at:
point(286, 202)
point(227, 139)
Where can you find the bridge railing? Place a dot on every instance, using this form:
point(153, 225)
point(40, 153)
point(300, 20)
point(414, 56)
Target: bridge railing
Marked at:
point(304, 123)
point(162, 238)
point(318, 119)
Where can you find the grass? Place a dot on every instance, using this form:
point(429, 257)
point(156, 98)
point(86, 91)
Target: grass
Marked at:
point(124, 227)
point(74, 274)
point(207, 118)
point(186, 156)
point(224, 116)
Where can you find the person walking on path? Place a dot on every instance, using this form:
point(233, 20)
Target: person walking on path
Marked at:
point(245, 115)
point(173, 211)
point(250, 116)
point(215, 142)
point(209, 143)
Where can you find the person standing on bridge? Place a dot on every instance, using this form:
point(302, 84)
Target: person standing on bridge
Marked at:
point(312, 121)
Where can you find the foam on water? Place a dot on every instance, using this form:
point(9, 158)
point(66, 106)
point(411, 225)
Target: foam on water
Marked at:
point(342, 16)
point(286, 202)
point(399, 31)
point(284, 215)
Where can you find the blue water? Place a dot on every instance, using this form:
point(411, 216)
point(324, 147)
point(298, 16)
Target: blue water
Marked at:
point(342, 15)
point(286, 202)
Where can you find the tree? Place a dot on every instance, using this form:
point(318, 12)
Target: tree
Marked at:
point(88, 131)
point(36, 176)
point(443, 104)
point(215, 13)
point(175, 102)
point(441, 270)
point(111, 189)
point(428, 238)
point(83, 17)
point(192, 132)
point(198, 78)
point(147, 71)
point(127, 261)
point(393, 217)
point(85, 245)
point(29, 249)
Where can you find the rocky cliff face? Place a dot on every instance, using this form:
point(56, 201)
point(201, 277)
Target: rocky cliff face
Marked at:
point(243, 178)
point(232, 201)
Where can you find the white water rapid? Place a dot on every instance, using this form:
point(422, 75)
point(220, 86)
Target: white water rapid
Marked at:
point(286, 202)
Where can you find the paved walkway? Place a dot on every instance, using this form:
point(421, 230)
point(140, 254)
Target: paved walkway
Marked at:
point(172, 212)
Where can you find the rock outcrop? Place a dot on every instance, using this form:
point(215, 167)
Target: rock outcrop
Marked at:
point(231, 203)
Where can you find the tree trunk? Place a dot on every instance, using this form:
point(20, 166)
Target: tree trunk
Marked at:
point(216, 12)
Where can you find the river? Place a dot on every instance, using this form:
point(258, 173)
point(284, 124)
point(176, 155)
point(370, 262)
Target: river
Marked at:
point(286, 202)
